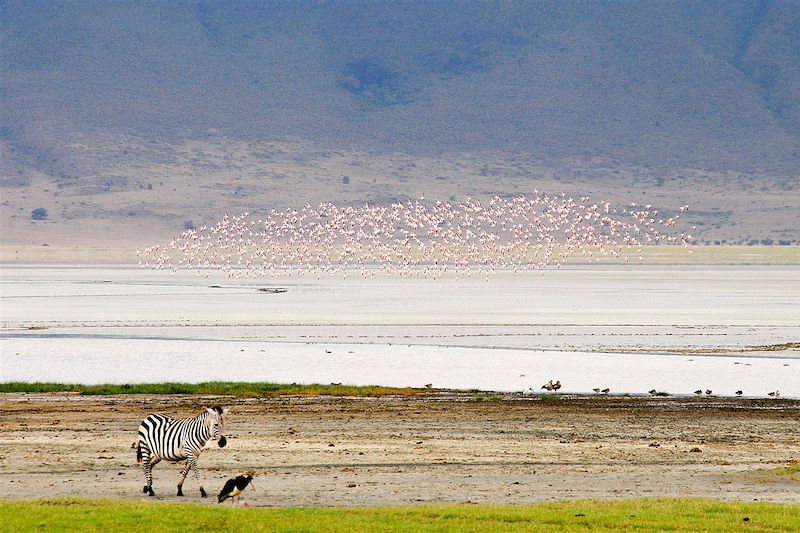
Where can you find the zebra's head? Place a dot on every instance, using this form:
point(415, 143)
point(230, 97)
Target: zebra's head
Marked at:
point(216, 420)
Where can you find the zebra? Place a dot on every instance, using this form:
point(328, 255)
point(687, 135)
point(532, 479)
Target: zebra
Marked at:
point(163, 437)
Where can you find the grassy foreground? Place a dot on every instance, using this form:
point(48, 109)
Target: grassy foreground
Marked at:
point(214, 388)
point(626, 515)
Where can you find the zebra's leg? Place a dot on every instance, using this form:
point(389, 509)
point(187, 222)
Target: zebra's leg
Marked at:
point(191, 461)
point(199, 482)
point(183, 476)
point(148, 464)
point(144, 458)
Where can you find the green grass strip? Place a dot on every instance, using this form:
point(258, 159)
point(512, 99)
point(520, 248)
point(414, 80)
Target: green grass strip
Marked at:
point(625, 515)
point(216, 388)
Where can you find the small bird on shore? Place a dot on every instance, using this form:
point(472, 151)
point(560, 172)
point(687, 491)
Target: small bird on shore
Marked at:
point(549, 385)
point(709, 391)
point(528, 392)
point(738, 393)
point(606, 390)
point(698, 392)
point(597, 390)
point(774, 394)
point(653, 392)
point(234, 486)
point(556, 386)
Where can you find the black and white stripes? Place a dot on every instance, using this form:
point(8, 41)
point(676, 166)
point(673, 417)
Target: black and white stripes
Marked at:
point(164, 438)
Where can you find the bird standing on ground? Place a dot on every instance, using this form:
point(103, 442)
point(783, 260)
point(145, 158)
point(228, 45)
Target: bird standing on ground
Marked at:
point(738, 393)
point(234, 486)
point(548, 385)
point(698, 392)
point(556, 385)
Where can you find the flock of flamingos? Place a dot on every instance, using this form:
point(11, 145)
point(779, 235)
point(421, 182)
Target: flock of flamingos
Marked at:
point(420, 239)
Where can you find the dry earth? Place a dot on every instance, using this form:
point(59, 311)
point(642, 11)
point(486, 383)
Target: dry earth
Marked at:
point(322, 451)
point(131, 192)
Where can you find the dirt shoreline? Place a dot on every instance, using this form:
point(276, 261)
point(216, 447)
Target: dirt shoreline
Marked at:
point(328, 451)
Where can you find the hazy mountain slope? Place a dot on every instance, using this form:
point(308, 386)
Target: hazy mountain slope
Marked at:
point(647, 82)
point(98, 98)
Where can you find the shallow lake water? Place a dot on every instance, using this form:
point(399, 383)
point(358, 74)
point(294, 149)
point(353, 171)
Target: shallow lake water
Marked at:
point(630, 328)
point(96, 361)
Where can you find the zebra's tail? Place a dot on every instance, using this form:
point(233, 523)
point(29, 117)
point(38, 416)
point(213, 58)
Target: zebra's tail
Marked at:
point(138, 445)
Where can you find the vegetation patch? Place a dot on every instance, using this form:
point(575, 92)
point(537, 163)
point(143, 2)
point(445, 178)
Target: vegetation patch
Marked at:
point(784, 473)
point(625, 515)
point(214, 388)
point(549, 398)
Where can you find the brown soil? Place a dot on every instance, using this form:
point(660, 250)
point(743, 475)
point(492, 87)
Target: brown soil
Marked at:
point(396, 451)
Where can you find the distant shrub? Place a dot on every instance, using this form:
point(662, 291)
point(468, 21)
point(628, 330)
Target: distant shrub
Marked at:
point(375, 82)
point(549, 398)
point(40, 213)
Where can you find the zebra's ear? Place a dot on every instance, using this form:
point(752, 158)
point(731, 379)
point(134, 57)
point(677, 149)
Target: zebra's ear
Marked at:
point(211, 410)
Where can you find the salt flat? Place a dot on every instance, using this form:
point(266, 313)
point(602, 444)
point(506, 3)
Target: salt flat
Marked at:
point(602, 325)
